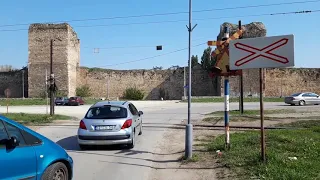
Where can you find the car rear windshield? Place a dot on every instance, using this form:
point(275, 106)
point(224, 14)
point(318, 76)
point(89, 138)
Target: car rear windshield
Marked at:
point(106, 112)
point(72, 98)
point(59, 98)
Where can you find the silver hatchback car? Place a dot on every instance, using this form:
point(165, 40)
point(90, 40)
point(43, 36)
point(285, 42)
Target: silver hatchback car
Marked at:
point(110, 123)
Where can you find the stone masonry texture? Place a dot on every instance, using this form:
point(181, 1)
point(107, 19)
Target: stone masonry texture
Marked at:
point(279, 82)
point(14, 81)
point(66, 57)
point(151, 82)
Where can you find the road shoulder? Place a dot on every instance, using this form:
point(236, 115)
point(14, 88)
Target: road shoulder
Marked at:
point(171, 151)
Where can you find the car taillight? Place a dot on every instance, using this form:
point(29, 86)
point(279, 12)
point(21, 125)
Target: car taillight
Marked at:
point(127, 124)
point(82, 125)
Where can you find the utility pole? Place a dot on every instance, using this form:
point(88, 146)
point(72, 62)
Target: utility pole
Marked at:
point(241, 81)
point(188, 145)
point(22, 83)
point(46, 89)
point(184, 83)
point(108, 86)
point(51, 80)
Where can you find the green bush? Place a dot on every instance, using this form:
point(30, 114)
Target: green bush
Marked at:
point(83, 91)
point(133, 94)
point(43, 94)
point(61, 94)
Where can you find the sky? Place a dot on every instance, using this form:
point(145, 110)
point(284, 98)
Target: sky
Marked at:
point(132, 44)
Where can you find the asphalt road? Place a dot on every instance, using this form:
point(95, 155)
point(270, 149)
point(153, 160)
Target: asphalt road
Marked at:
point(115, 162)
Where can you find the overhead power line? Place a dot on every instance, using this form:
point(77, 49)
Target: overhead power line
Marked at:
point(171, 13)
point(151, 57)
point(203, 19)
point(131, 47)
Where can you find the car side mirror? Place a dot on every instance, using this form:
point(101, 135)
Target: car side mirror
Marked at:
point(13, 142)
point(140, 113)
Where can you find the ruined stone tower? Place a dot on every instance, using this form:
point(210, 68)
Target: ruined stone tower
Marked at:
point(66, 58)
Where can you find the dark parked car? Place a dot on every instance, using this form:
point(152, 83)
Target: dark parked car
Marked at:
point(75, 101)
point(61, 101)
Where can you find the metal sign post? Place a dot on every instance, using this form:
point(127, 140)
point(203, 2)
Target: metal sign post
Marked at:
point(7, 92)
point(241, 80)
point(263, 142)
point(226, 98)
point(221, 68)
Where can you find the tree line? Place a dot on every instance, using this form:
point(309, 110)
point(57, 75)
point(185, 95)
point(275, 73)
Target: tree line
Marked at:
point(207, 61)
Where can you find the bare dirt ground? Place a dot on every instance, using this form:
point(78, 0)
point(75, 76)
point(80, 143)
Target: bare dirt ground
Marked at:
point(172, 167)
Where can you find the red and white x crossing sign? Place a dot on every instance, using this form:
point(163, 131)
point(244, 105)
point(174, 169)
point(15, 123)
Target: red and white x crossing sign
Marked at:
point(262, 52)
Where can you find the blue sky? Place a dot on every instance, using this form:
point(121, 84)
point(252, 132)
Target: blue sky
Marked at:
point(173, 36)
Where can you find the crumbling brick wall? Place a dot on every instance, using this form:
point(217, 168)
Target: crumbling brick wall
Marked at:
point(13, 80)
point(114, 82)
point(65, 50)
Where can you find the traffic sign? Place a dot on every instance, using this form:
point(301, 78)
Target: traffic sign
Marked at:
point(221, 53)
point(262, 52)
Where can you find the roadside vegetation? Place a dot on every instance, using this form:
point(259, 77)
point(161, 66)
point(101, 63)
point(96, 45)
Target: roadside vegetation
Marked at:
point(133, 93)
point(254, 112)
point(291, 154)
point(83, 91)
point(37, 101)
point(234, 99)
point(254, 115)
point(35, 119)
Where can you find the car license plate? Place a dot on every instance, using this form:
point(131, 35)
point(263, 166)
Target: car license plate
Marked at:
point(103, 128)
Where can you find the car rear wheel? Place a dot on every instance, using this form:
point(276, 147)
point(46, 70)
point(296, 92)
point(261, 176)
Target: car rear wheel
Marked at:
point(140, 133)
point(302, 103)
point(131, 145)
point(57, 171)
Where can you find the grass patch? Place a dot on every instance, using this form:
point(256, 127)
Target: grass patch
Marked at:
point(244, 156)
point(30, 101)
point(195, 158)
point(255, 112)
point(239, 118)
point(234, 99)
point(243, 118)
point(22, 102)
point(35, 119)
point(303, 124)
